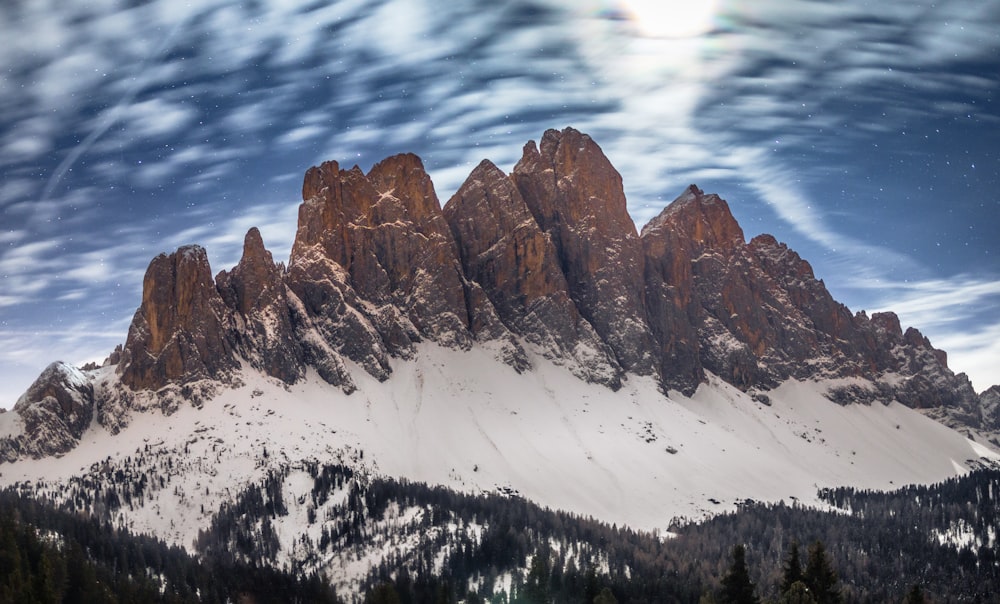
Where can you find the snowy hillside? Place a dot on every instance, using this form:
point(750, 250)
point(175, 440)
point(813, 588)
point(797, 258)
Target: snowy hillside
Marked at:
point(460, 419)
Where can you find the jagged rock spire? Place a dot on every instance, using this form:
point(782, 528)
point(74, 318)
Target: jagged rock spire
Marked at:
point(544, 262)
point(178, 333)
point(577, 199)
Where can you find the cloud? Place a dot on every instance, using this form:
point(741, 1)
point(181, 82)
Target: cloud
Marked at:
point(302, 133)
point(217, 98)
point(959, 315)
point(156, 118)
point(939, 302)
point(974, 352)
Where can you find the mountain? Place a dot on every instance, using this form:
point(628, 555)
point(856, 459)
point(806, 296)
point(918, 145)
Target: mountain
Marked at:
point(524, 339)
point(438, 545)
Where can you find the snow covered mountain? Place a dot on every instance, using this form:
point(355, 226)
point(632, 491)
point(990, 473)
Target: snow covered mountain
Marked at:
point(524, 339)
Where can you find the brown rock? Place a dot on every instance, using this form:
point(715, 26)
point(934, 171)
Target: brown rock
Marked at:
point(179, 332)
point(673, 310)
point(414, 248)
point(255, 291)
point(325, 313)
point(576, 197)
point(400, 269)
point(505, 252)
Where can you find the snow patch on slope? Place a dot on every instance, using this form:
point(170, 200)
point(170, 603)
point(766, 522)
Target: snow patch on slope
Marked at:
point(460, 419)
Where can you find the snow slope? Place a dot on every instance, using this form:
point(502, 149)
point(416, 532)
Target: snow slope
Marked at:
point(460, 419)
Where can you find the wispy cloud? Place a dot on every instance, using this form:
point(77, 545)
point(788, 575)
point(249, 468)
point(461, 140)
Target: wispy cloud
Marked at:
point(215, 99)
point(938, 302)
point(960, 315)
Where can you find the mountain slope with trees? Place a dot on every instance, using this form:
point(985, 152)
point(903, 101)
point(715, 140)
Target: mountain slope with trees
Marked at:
point(432, 544)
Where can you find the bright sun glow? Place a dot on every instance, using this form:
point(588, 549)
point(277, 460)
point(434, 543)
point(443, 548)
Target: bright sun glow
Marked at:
point(672, 18)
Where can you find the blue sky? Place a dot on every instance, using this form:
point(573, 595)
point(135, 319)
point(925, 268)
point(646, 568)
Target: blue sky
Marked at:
point(862, 134)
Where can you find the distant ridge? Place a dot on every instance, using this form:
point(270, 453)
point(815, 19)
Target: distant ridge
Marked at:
point(543, 262)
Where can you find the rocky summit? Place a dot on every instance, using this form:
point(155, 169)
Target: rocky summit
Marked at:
point(542, 263)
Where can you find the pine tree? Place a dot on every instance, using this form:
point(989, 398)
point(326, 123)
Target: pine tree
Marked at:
point(536, 587)
point(737, 588)
point(793, 568)
point(820, 577)
point(797, 593)
point(915, 596)
point(606, 597)
point(383, 594)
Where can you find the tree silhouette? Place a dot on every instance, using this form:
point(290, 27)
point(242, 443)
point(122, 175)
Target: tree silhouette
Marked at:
point(792, 569)
point(737, 588)
point(797, 593)
point(820, 577)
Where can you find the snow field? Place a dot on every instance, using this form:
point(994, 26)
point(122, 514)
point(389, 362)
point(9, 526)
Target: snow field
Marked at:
point(460, 419)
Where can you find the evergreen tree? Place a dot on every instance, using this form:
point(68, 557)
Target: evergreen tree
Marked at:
point(606, 597)
point(591, 586)
point(797, 593)
point(383, 594)
point(820, 577)
point(737, 588)
point(915, 596)
point(536, 587)
point(793, 568)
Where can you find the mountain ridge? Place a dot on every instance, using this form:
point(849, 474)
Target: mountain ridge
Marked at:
point(545, 258)
point(467, 347)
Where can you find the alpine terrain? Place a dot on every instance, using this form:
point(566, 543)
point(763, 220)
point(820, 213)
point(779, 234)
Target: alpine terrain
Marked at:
point(522, 343)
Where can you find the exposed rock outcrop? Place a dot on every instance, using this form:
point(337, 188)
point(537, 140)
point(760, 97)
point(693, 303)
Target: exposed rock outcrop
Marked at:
point(545, 259)
point(263, 334)
point(576, 197)
point(504, 251)
point(179, 332)
point(55, 411)
point(990, 409)
point(761, 317)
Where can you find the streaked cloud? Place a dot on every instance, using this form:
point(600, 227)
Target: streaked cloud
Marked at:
point(130, 129)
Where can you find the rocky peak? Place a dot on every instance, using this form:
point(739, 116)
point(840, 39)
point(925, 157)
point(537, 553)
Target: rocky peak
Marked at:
point(56, 409)
point(545, 259)
point(990, 405)
point(703, 220)
point(888, 322)
point(317, 178)
point(255, 290)
point(402, 177)
point(505, 252)
point(914, 338)
point(375, 264)
point(253, 282)
point(178, 334)
point(806, 293)
point(569, 181)
point(577, 199)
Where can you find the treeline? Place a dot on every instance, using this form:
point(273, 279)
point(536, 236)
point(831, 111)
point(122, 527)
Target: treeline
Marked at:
point(437, 545)
point(473, 548)
point(940, 538)
point(52, 555)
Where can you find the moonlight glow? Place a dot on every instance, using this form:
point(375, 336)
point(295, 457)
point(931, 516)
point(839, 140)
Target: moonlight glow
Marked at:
point(672, 18)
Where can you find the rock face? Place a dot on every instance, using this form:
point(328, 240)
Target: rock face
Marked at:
point(374, 263)
point(543, 262)
point(178, 334)
point(505, 251)
point(55, 411)
point(255, 291)
point(577, 199)
point(755, 314)
point(990, 409)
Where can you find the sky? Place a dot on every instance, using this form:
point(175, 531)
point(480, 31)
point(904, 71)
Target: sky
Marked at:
point(865, 135)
